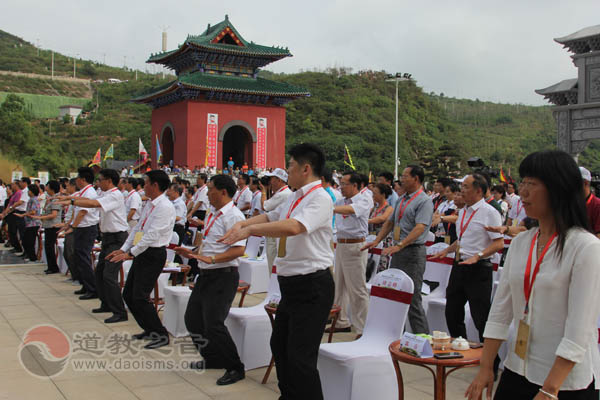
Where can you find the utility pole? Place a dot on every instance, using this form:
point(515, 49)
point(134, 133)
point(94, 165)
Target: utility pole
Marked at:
point(38, 46)
point(124, 62)
point(397, 78)
point(52, 64)
point(75, 66)
point(104, 58)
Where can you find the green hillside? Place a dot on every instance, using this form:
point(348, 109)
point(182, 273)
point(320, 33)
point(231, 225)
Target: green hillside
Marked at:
point(42, 106)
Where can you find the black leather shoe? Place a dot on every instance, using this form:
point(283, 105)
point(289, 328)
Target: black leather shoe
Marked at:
point(141, 336)
point(80, 291)
point(115, 318)
point(100, 310)
point(48, 272)
point(231, 377)
point(88, 296)
point(158, 343)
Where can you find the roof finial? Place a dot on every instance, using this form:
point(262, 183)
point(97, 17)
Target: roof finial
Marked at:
point(208, 28)
point(226, 17)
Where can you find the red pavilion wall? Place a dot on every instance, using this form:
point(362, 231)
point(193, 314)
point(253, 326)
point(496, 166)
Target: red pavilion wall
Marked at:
point(189, 120)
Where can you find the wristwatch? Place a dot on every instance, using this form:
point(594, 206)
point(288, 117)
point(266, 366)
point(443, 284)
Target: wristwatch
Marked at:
point(480, 255)
point(72, 201)
point(213, 260)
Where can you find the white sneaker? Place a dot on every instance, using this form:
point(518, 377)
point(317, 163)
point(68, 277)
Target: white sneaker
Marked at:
point(19, 254)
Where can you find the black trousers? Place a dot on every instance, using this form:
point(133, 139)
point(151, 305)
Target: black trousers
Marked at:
point(513, 386)
point(49, 249)
point(180, 230)
point(144, 272)
point(472, 283)
point(83, 245)
point(16, 231)
point(29, 242)
point(69, 254)
point(107, 274)
point(305, 305)
point(205, 316)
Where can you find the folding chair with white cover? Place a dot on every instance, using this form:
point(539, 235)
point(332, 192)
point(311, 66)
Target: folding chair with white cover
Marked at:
point(363, 369)
point(250, 329)
point(255, 271)
point(163, 279)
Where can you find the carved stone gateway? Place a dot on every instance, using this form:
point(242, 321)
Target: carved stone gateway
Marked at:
point(577, 101)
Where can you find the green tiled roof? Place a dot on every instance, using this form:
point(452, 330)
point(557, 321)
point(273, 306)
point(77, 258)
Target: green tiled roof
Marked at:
point(204, 41)
point(225, 83)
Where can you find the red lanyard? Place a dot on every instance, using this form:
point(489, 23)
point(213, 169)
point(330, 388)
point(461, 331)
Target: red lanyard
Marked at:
point(528, 282)
point(519, 208)
point(364, 190)
point(130, 194)
point(490, 200)
point(146, 219)
point(256, 194)
point(293, 206)
point(437, 203)
point(84, 190)
point(377, 212)
point(209, 225)
point(281, 190)
point(240, 195)
point(463, 228)
point(402, 209)
point(589, 200)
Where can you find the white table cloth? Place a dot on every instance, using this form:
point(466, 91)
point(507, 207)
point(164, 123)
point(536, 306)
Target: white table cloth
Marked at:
point(256, 273)
point(176, 300)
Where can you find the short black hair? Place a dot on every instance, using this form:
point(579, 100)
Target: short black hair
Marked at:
point(176, 187)
point(308, 153)
point(111, 174)
point(514, 185)
point(33, 189)
point(86, 173)
point(224, 182)
point(388, 176)
point(26, 180)
point(384, 188)
point(479, 182)
point(454, 187)
point(73, 182)
point(354, 178)
point(254, 180)
point(203, 176)
point(141, 182)
point(132, 181)
point(326, 176)
point(159, 177)
point(245, 177)
point(364, 179)
point(416, 171)
point(54, 185)
point(500, 189)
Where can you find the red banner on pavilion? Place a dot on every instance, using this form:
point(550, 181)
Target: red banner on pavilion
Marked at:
point(261, 143)
point(212, 129)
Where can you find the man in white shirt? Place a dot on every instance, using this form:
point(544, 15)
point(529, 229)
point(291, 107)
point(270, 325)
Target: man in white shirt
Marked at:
point(85, 230)
point(256, 204)
point(146, 246)
point(471, 276)
point(216, 285)
point(200, 199)
point(365, 191)
point(517, 213)
point(174, 194)
point(350, 262)
point(3, 195)
point(243, 197)
point(280, 192)
point(114, 233)
point(133, 203)
point(303, 225)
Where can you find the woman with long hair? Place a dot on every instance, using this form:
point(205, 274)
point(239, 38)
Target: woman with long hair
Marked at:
point(549, 291)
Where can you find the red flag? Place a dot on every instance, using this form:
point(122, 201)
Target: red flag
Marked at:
point(502, 176)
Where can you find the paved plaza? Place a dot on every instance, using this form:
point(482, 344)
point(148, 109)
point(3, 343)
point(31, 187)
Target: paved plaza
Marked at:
point(28, 298)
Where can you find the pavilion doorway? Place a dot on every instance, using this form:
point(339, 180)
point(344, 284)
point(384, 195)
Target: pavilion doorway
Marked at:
point(237, 144)
point(167, 145)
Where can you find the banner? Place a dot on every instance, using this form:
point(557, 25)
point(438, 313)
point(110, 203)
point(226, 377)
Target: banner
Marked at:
point(212, 129)
point(261, 143)
point(17, 174)
point(97, 158)
point(158, 152)
point(43, 176)
point(109, 153)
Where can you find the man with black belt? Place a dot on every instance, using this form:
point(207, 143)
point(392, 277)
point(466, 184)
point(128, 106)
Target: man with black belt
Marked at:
point(350, 261)
point(174, 194)
point(303, 225)
point(410, 221)
point(471, 276)
point(146, 246)
point(200, 200)
point(85, 231)
point(113, 226)
point(216, 285)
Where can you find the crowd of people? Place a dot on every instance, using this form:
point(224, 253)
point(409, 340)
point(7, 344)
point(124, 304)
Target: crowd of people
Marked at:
point(303, 211)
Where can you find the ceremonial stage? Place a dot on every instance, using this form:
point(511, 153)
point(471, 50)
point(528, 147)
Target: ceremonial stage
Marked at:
point(28, 298)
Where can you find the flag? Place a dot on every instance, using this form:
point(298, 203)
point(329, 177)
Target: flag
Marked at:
point(158, 152)
point(207, 153)
point(110, 152)
point(502, 176)
point(142, 151)
point(348, 159)
point(97, 158)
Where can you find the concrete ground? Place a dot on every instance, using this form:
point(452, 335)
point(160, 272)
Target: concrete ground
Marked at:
point(28, 298)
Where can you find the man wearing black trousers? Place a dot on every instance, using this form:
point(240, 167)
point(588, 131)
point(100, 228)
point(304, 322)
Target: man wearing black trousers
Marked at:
point(146, 246)
point(174, 194)
point(113, 225)
point(216, 285)
point(85, 231)
point(303, 225)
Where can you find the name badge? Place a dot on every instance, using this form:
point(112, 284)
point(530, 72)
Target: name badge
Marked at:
point(281, 250)
point(138, 236)
point(447, 239)
point(522, 340)
point(457, 252)
point(397, 233)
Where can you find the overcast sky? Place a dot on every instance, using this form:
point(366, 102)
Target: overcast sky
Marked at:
point(492, 50)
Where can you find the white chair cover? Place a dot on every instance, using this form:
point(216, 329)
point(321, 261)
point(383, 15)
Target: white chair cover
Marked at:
point(250, 329)
point(62, 263)
point(253, 245)
point(163, 279)
point(363, 369)
point(255, 272)
point(176, 300)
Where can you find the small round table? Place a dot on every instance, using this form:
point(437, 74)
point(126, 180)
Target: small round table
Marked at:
point(471, 357)
point(271, 310)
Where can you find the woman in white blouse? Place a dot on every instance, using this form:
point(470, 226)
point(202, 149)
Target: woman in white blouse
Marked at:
point(554, 352)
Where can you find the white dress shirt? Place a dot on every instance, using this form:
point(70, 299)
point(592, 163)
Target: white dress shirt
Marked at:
point(476, 238)
point(218, 223)
point(180, 210)
point(112, 212)
point(92, 217)
point(156, 222)
point(517, 212)
point(201, 195)
point(71, 208)
point(243, 198)
point(309, 251)
point(3, 195)
point(255, 205)
point(24, 198)
point(133, 200)
point(277, 199)
point(353, 226)
point(563, 308)
point(369, 196)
